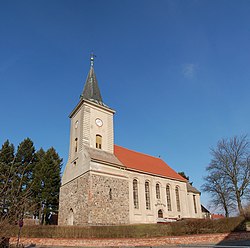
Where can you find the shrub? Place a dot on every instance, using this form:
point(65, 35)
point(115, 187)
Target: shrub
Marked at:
point(198, 226)
point(247, 212)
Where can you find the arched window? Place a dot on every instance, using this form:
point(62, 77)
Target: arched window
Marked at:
point(135, 194)
point(157, 188)
point(71, 217)
point(160, 214)
point(147, 195)
point(168, 198)
point(76, 124)
point(76, 144)
point(195, 207)
point(177, 194)
point(98, 141)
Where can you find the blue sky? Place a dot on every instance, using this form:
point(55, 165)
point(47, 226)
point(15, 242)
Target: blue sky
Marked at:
point(176, 72)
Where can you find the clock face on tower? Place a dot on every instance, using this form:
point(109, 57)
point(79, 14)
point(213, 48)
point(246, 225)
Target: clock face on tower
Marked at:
point(98, 122)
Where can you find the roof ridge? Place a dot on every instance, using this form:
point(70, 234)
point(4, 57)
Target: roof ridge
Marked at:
point(147, 163)
point(141, 153)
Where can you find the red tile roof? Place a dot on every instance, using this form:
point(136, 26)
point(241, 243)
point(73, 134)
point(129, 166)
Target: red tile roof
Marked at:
point(217, 216)
point(145, 163)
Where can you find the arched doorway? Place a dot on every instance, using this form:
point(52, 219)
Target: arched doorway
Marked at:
point(160, 214)
point(71, 217)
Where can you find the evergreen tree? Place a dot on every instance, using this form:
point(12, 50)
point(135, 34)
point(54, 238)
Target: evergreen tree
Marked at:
point(6, 176)
point(29, 181)
point(47, 183)
point(24, 165)
point(182, 173)
point(37, 187)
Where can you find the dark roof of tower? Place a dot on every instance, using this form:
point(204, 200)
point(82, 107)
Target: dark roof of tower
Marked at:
point(91, 90)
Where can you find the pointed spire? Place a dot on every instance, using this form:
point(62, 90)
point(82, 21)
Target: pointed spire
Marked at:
point(91, 90)
point(92, 58)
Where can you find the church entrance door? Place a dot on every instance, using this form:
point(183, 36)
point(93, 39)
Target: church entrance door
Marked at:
point(160, 214)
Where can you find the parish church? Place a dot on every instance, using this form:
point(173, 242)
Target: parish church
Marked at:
point(107, 184)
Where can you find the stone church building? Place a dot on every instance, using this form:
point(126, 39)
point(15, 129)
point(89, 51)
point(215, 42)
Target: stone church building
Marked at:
point(106, 184)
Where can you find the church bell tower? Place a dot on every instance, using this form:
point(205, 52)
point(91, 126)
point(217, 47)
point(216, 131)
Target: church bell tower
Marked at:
point(94, 189)
point(91, 124)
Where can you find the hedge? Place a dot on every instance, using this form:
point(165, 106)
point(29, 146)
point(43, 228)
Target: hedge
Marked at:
point(184, 227)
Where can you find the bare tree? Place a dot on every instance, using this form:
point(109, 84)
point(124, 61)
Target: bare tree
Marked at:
point(230, 166)
point(220, 192)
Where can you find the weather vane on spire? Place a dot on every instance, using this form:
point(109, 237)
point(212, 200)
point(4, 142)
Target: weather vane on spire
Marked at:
point(92, 58)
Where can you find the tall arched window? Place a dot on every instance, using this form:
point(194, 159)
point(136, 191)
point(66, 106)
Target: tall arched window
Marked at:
point(98, 141)
point(168, 198)
point(157, 189)
point(195, 207)
point(76, 144)
point(135, 194)
point(178, 204)
point(147, 195)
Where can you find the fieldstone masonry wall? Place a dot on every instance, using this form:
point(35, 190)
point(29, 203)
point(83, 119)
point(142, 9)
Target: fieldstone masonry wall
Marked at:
point(109, 203)
point(73, 206)
point(94, 200)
